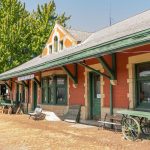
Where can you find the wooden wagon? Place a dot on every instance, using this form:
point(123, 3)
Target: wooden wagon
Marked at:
point(134, 123)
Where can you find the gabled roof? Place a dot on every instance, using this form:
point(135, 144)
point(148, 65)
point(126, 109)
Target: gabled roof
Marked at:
point(77, 35)
point(126, 27)
point(130, 32)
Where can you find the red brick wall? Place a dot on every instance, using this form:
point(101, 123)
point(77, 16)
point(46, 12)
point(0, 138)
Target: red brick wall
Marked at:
point(77, 94)
point(119, 91)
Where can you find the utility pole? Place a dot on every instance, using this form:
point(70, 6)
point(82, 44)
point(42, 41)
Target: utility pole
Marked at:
point(110, 19)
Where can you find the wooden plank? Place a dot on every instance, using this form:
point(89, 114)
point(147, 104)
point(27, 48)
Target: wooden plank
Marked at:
point(135, 113)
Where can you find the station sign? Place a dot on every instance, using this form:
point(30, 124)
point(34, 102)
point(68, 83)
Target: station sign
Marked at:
point(23, 78)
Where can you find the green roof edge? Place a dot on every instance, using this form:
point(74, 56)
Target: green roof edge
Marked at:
point(132, 40)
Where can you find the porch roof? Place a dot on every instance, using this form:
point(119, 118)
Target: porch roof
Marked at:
point(128, 33)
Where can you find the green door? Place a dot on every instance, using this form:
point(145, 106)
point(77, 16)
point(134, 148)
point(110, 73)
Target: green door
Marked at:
point(94, 96)
point(34, 94)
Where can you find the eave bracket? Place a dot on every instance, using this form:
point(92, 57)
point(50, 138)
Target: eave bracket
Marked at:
point(74, 77)
point(37, 81)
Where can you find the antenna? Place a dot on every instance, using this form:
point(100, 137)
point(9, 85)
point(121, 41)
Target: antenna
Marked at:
point(110, 19)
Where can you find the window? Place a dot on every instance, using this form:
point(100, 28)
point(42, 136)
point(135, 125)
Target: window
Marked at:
point(23, 94)
point(61, 45)
point(143, 85)
point(96, 86)
point(45, 90)
point(55, 44)
point(54, 90)
point(61, 90)
point(50, 49)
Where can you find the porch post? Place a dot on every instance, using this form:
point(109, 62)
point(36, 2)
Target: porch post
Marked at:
point(113, 77)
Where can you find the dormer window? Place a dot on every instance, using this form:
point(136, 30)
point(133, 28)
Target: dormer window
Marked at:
point(50, 49)
point(55, 44)
point(61, 45)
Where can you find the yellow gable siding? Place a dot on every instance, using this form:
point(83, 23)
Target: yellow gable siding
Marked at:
point(61, 34)
point(68, 42)
point(45, 52)
point(50, 38)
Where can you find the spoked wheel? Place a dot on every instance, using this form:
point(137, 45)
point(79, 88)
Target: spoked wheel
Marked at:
point(145, 126)
point(131, 128)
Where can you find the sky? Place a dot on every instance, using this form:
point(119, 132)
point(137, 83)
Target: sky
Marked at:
point(93, 15)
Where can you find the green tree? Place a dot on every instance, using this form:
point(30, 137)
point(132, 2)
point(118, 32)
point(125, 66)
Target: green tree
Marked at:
point(43, 22)
point(23, 34)
point(13, 33)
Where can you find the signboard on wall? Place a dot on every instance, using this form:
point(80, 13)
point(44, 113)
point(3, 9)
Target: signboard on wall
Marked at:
point(26, 77)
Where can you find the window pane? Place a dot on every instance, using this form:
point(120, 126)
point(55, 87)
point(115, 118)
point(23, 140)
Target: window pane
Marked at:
point(50, 95)
point(145, 92)
point(23, 94)
point(61, 45)
point(61, 92)
point(45, 82)
point(60, 81)
point(45, 90)
point(97, 86)
point(143, 85)
point(55, 43)
point(50, 81)
point(44, 95)
point(143, 70)
point(50, 49)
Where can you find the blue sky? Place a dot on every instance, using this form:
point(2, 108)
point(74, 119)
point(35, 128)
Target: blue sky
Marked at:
point(93, 15)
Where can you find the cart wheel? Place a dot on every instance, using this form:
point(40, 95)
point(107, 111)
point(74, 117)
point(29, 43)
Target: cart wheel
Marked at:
point(130, 128)
point(145, 126)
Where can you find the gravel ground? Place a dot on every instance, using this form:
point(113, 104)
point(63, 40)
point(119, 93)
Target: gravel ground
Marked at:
point(17, 132)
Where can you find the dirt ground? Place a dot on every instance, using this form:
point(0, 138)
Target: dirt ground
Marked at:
point(17, 132)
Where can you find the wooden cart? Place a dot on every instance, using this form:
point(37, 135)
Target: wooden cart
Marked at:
point(7, 106)
point(134, 123)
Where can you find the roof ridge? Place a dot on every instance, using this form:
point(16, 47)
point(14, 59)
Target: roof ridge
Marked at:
point(78, 30)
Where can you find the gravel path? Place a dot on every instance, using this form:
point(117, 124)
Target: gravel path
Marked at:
point(17, 132)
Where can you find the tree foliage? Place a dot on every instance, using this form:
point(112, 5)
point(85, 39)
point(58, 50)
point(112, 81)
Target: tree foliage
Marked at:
point(24, 34)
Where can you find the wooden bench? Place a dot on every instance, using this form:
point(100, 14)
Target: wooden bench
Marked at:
point(6, 106)
point(114, 120)
point(73, 114)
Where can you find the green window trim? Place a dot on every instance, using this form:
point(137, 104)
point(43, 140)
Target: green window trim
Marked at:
point(23, 94)
point(142, 84)
point(54, 90)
